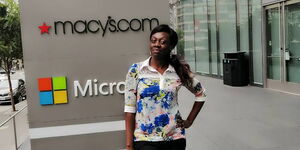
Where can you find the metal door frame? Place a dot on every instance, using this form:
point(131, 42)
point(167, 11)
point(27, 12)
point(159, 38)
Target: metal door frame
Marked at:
point(282, 84)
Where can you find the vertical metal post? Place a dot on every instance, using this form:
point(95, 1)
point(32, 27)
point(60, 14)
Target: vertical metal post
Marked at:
point(264, 47)
point(237, 25)
point(15, 133)
point(195, 54)
point(218, 38)
point(250, 36)
point(281, 50)
point(209, 38)
point(283, 43)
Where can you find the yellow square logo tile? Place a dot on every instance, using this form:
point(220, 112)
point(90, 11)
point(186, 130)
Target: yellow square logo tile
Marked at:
point(60, 97)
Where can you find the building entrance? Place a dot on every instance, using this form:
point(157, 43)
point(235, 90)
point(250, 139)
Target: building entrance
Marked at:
point(282, 46)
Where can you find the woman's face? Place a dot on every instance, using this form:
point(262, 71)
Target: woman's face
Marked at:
point(160, 45)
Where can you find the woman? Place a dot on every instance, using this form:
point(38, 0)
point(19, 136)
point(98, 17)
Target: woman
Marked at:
point(152, 117)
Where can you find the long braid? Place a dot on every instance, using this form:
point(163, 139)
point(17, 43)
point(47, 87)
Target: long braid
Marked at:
point(182, 69)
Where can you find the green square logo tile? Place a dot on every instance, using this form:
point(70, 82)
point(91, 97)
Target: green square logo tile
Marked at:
point(59, 83)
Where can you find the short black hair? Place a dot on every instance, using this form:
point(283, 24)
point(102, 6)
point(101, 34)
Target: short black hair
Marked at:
point(165, 28)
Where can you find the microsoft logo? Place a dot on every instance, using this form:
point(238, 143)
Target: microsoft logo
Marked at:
point(53, 90)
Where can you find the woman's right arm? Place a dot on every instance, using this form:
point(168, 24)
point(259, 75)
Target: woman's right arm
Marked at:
point(130, 123)
point(130, 104)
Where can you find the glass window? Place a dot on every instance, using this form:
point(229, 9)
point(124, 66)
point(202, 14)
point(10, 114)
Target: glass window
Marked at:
point(188, 30)
point(213, 36)
point(227, 28)
point(244, 26)
point(207, 29)
point(201, 36)
point(273, 43)
point(292, 39)
point(257, 41)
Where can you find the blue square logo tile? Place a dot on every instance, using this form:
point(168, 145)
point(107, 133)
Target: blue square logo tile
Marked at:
point(46, 98)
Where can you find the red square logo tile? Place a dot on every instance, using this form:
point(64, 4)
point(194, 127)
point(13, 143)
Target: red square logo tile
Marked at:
point(45, 84)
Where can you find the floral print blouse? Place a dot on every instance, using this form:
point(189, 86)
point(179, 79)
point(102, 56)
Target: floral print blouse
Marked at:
point(153, 97)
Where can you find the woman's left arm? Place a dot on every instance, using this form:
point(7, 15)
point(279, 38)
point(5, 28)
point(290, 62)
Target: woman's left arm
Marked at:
point(192, 116)
point(199, 92)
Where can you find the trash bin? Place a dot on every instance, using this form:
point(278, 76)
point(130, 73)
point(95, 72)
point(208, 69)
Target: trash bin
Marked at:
point(235, 69)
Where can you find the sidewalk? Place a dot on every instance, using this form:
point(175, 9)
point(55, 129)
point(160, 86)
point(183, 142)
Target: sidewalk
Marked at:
point(243, 118)
point(240, 118)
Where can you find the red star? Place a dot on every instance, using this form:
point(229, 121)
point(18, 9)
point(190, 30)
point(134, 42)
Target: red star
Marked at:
point(44, 28)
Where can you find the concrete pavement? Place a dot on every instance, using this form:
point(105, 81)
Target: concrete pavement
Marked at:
point(6, 110)
point(7, 139)
point(243, 118)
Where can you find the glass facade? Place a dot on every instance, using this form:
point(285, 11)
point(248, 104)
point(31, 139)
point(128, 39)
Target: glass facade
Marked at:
point(210, 28)
point(267, 31)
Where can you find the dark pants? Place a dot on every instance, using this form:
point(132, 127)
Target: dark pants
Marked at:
point(161, 145)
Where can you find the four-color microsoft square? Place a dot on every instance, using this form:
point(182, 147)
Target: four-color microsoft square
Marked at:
point(53, 90)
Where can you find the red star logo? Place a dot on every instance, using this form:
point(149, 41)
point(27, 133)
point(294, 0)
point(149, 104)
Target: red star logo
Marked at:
point(44, 28)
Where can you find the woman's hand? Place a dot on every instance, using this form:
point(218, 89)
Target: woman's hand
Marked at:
point(183, 123)
point(129, 147)
point(190, 119)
